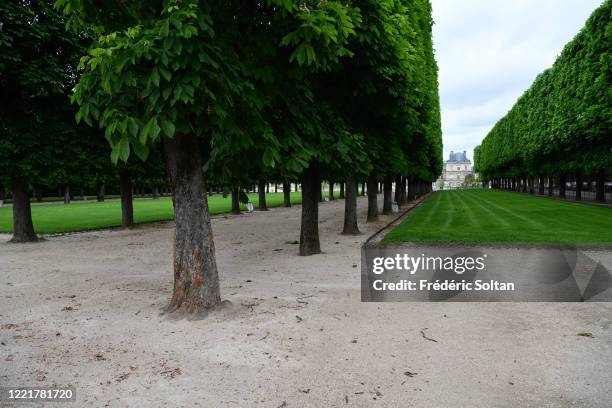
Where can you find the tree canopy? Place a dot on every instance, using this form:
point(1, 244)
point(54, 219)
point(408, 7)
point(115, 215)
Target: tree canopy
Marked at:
point(563, 123)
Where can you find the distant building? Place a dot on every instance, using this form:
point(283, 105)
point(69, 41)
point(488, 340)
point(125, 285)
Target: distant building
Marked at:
point(456, 168)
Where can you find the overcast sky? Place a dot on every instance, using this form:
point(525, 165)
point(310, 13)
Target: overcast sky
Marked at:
point(489, 52)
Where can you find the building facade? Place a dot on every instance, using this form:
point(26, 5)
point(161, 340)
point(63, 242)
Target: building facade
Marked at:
point(456, 168)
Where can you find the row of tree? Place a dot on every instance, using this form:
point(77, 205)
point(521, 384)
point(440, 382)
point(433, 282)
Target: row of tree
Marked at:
point(230, 93)
point(561, 127)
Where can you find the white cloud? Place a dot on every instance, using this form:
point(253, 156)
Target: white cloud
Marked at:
point(489, 53)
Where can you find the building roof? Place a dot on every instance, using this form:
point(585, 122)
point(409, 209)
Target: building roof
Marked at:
point(458, 157)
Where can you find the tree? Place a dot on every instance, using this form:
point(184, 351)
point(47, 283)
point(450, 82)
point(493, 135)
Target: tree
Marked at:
point(173, 72)
point(37, 71)
point(560, 127)
point(350, 207)
point(469, 180)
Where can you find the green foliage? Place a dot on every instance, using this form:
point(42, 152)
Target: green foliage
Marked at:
point(39, 139)
point(265, 81)
point(563, 123)
point(151, 81)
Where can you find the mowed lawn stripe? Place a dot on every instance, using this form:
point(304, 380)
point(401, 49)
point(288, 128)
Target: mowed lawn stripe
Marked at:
point(526, 219)
point(485, 216)
point(497, 224)
point(430, 214)
point(58, 218)
point(493, 220)
point(448, 212)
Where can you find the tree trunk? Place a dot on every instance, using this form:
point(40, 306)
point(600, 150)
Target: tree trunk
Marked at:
point(23, 228)
point(363, 187)
point(600, 190)
point(235, 201)
point(350, 208)
point(331, 191)
point(127, 206)
point(261, 188)
point(155, 192)
point(39, 195)
point(341, 190)
point(562, 180)
point(541, 186)
point(267, 187)
point(372, 198)
point(67, 194)
point(311, 191)
point(275, 188)
point(551, 186)
point(287, 194)
point(388, 195)
point(398, 186)
point(403, 196)
point(100, 195)
point(196, 280)
point(578, 187)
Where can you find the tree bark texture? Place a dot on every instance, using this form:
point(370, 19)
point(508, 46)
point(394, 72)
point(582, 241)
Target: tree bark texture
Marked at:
point(287, 194)
point(196, 280)
point(311, 191)
point(235, 201)
point(67, 194)
point(261, 188)
point(350, 208)
point(398, 186)
point(388, 195)
point(372, 198)
point(403, 198)
point(23, 228)
point(127, 200)
point(331, 191)
point(100, 194)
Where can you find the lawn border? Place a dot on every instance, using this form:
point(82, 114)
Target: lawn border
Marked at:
point(397, 220)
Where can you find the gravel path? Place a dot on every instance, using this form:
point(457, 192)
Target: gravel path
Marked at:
point(85, 309)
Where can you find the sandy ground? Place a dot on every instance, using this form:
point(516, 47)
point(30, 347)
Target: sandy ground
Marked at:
point(84, 309)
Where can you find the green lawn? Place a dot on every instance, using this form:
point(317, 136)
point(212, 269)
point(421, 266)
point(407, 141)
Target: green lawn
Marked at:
point(484, 216)
point(56, 218)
